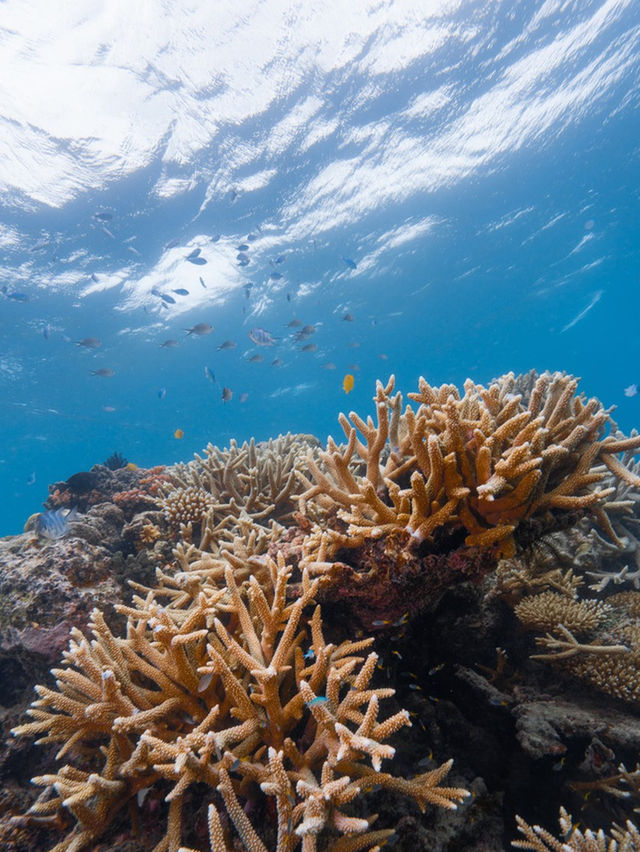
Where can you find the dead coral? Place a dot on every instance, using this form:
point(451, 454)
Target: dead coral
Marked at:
point(215, 688)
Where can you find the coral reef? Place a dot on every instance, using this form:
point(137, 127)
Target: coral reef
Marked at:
point(427, 603)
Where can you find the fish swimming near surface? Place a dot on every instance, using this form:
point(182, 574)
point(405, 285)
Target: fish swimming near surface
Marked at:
point(255, 359)
point(242, 256)
point(197, 261)
point(90, 342)
point(348, 317)
point(276, 276)
point(305, 331)
point(200, 328)
point(94, 278)
point(262, 337)
point(294, 323)
point(169, 344)
point(228, 344)
point(247, 289)
point(104, 372)
point(181, 291)
point(215, 238)
point(55, 523)
point(350, 263)
point(280, 258)
point(202, 282)
point(17, 297)
point(277, 362)
point(46, 331)
point(193, 254)
point(632, 390)
point(310, 347)
point(227, 394)
point(167, 298)
point(102, 216)
point(242, 247)
point(209, 375)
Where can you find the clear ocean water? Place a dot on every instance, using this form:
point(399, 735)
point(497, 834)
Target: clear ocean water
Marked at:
point(445, 189)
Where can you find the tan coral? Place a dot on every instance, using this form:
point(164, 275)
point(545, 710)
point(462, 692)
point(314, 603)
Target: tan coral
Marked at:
point(182, 506)
point(482, 461)
point(209, 686)
point(547, 610)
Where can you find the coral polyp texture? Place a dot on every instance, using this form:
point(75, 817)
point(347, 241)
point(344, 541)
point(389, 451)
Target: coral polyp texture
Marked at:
point(229, 686)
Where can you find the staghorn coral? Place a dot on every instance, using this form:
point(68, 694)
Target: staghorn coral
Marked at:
point(547, 610)
point(482, 461)
point(258, 480)
point(183, 506)
point(539, 840)
point(213, 687)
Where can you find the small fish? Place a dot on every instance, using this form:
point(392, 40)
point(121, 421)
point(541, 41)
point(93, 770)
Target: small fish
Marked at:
point(31, 479)
point(247, 289)
point(261, 337)
point(243, 397)
point(103, 216)
point(632, 390)
point(202, 282)
point(309, 654)
point(348, 383)
point(169, 344)
point(108, 233)
point(310, 347)
point(319, 699)
point(167, 298)
point(162, 392)
point(105, 372)
point(305, 331)
point(195, 253)
point(55, 523)
point(382, 356)
point(288, 297)
point(277, 362)
point(215, 238)
point(200, 328)
point(227, 394)
point(281, 258)
point(197, 261)
point(255, 359)
point(354, 345)
point(348, 317)
point(276, 276)
point(90, 342)
point(178, 434)
point(134, 250)
point(172, 243)
point(243, 261)
point(46, 331)
point(209, 375)
point(294, 323)
point(350, 263)
point(251, 238)
point(109, 408)
point(329, 366)
point(18, 297)
point(242, 247)
point(94, 278)
point(181, 291)
point(228, 344)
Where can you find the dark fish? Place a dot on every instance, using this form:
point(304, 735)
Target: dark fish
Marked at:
point(233, 195)
point(169, 344)
point(46, 331)
point(167, 298)
point(94, 278)
point(247, 289)
point(294, 323)
point(281, 258)
point(18, 297)
point(101, 216)
point(305, 331)
point(82, 482)
point(241, 256)
point(251, 238)
point(90, 342)
point(104, 372)
point(242, 247)
point(56, 523)
point(228, 344)
point(277, 362)
point(193, 254)
point(197, 261)
point(227, 394)
point(181, 291)
point(200, 328)
point(310, 347)
point(215, 238)
point(261, 337)
point(255, 359)
point(348, 317)
point(156, 291)
point(202, 282)
point(288, 297)
point(244, 261)
point(208, 374)
point(350, 263)
point(276, 276)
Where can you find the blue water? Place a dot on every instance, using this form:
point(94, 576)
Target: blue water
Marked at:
point(480, 167)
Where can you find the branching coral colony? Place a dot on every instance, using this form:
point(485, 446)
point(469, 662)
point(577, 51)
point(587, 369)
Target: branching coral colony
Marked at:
point(224, 688)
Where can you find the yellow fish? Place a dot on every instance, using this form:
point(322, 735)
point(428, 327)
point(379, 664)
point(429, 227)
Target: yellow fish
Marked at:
point(347, 383)
point(178, 434)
